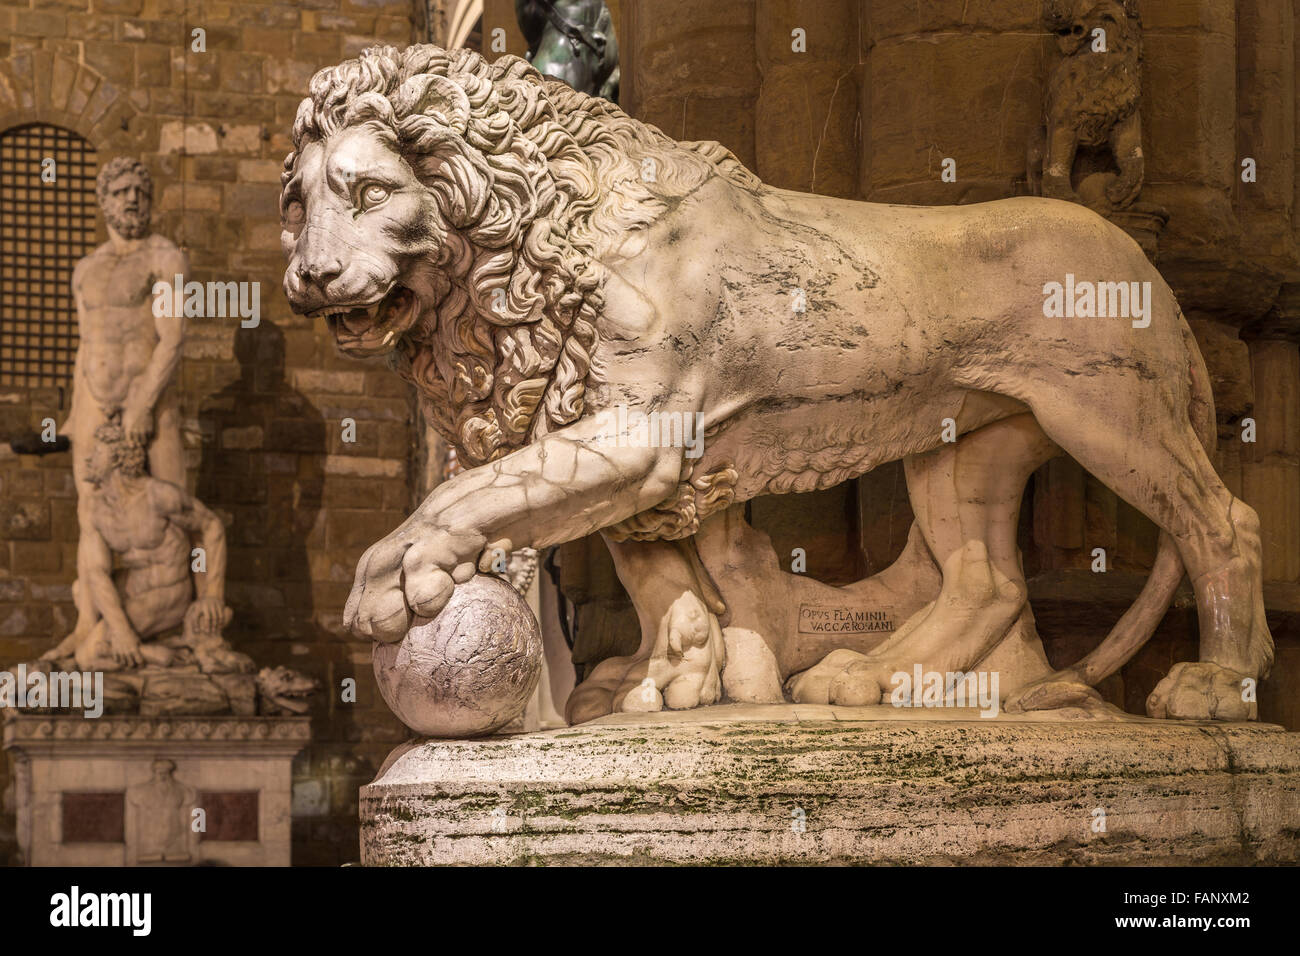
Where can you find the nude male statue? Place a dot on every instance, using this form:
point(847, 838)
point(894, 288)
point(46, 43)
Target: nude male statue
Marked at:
point(148, 523)
point(127, 357)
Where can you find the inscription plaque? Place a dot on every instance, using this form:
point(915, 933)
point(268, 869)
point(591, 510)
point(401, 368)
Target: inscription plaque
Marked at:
point(824, 619)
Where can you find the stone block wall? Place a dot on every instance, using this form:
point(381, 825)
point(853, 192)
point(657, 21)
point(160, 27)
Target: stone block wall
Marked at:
point(262, 406)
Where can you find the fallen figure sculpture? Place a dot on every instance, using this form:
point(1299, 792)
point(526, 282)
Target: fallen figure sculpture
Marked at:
point(530, 257)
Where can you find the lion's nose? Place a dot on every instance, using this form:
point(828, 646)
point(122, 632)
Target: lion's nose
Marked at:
point(319, 272)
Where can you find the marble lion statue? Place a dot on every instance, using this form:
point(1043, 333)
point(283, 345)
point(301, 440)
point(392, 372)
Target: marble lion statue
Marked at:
point(549, 272)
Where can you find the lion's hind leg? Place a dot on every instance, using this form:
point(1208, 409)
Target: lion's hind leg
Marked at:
point(966, 497)
point(1135, 436)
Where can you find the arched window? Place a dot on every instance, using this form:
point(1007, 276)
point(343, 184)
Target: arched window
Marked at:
point(47, 223)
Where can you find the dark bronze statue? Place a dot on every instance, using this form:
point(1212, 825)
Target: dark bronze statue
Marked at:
point(573, 41)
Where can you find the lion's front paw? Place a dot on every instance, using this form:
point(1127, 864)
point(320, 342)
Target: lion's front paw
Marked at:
point(865, 683)
point(1123, 191)
point(413, 571)
point(1203, 691)
point(846, 678)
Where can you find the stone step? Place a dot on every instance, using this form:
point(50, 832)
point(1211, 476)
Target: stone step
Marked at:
point(790, 784)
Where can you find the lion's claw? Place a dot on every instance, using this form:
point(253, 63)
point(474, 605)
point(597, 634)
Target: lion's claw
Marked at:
point(1202, 691)
point(412, 572)
point(428, 590)
point(843, 677)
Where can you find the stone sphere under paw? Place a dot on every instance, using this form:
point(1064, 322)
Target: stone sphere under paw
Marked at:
point(468, 671)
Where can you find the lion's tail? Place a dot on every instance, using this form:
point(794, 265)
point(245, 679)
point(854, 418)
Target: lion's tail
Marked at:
point(1141, 620)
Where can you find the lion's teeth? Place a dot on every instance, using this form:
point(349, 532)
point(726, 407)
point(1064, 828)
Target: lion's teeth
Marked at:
point(338, 311)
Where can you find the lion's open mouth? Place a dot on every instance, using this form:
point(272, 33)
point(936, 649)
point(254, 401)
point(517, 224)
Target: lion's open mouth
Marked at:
point(367, 329)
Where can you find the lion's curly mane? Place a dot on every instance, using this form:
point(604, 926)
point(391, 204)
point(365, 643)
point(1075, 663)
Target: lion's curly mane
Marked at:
point(529, 176)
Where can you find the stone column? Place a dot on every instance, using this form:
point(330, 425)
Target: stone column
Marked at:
point(1266, 132)
point(689, 68)
point(1270, 466)
point(806, 120)
point(449, 23)
point(1189, 117)
point(948, 81)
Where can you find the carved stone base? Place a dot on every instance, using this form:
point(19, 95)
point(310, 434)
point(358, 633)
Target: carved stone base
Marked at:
point(138, 790)
point(793, 784)
point(1143, 221)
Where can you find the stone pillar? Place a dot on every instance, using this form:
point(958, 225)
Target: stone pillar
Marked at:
point(1266, 130)
point(450, 23)
point(1059, 509)
point(1189, 117)
point(948, 81)
point(690, 69)
point(1270, 466)
point(806, 117)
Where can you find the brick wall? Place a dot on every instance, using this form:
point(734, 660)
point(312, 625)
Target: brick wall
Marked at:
point(262, 406)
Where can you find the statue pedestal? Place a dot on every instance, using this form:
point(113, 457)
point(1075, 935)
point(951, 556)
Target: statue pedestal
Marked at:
point(123, 790)
point(790, 783)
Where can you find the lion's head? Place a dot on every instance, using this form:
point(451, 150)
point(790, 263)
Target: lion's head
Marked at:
point(444, 210)
point(1073, 22)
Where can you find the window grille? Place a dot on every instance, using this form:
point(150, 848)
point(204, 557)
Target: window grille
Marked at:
point(45, 227)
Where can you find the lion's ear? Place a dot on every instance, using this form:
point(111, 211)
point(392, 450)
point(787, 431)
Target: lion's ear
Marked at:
point(437, 96)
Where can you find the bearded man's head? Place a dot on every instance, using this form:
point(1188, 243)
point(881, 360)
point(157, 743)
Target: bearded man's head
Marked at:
point(113, 452)
point(124, 189)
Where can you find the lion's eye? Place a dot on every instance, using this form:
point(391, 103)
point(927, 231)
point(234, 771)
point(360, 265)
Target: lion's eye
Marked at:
point(294, 213)
point(372, 195)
